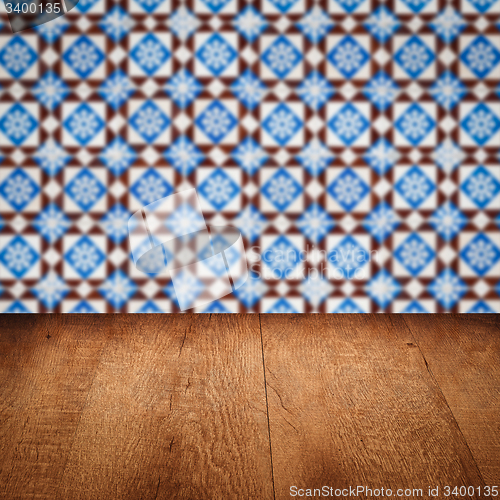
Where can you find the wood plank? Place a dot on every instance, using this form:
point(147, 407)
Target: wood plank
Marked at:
point(351, 403)
point(18, 336)
point(463, 354)
point(177, 410)
point(15, 348)
point(47, 364)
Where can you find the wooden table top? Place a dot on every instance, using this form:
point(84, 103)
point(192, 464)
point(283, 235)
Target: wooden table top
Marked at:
point(247, 406)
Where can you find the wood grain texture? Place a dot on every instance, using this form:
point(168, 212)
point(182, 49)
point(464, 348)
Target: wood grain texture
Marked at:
point(47, 364)
point(181, 407)
point(177, 410)
point(463, 354)
point(351, 403)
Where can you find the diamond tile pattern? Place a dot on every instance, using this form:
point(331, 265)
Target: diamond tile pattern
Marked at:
point(354, 143)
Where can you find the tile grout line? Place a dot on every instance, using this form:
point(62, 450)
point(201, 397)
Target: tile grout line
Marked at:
point(445, 400)
point(267, 407)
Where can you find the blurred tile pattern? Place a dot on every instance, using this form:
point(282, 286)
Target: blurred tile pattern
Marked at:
point(354, 143)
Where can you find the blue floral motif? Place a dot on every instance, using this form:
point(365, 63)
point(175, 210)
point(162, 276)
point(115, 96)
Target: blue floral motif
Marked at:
point(281, 57)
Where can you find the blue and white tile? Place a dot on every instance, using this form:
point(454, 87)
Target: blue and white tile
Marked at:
point(282, 124)
point(479, 255)
point(414, 254)
point(148, 185)
point(84, 257)
point(479, 57)
point(282, 189)
point(414, 57)
point(480, 6)
point(214, 7)
point(216, 121)
point(91, 7)
point(83, 306)
point(151, 55)
point(20, 124)
point(85, 190)
point(348, 257)
point(288, 7)
point(479, 187)
point(219, 189)
point(149, 121)
point(479, 123)
point(84, 124)
point(416, 7)
point(415, 187)
point(420, 306)
point(479, 306)
point(281, 57)
point(20, 190)
point(84, 57)
point(344, 7)
point(18, 57)
point(150, 7)
point(348, 57)
point(288, 305)
point(216, 54)
point(282, 257)
point(352, 305)
point(348, 190)
point(20, 257)
point(415, 124)
point(348, 124)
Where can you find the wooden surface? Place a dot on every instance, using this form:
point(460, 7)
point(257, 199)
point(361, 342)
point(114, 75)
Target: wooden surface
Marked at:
point(464, 360)
point(246, 406)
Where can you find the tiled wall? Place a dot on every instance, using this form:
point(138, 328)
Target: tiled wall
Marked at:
point(357, 138)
